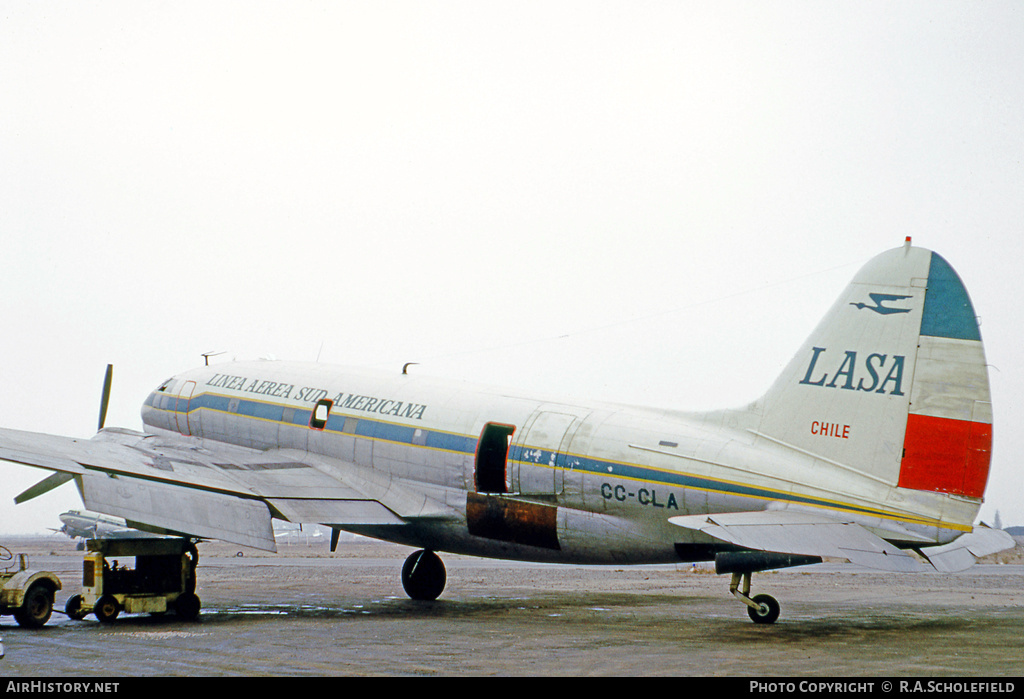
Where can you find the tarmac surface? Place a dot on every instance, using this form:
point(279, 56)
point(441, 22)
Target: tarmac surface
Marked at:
point(305, 611)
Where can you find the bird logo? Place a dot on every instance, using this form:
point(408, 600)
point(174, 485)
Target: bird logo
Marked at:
point(880, 301)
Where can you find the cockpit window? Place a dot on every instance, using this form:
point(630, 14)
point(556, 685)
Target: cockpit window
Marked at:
point(164, 385)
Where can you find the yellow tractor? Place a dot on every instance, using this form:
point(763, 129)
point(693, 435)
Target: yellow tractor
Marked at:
point(27, 594)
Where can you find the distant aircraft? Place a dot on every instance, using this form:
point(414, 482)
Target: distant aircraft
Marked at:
point(89, 525)
point(872, 446)
point(286, 531)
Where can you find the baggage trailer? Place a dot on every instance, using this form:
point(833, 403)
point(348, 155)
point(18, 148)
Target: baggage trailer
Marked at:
point(163, 579)
point(26, 593)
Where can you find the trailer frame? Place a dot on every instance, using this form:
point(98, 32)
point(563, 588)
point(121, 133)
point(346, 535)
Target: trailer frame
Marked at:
point(163, 579)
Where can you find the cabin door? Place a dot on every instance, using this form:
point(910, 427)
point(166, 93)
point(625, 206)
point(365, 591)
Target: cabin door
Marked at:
point(539, 458)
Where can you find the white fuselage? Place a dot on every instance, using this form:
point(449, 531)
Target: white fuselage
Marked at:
point(522, 477)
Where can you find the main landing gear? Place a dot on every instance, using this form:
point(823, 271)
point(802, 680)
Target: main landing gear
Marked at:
point(423, 576)
point(763, 609)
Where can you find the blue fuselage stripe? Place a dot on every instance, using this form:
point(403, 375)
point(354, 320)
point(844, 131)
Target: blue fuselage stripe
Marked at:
point(466, 445)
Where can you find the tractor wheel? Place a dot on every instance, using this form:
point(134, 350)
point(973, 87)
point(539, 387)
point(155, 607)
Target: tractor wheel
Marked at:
point(36, 608)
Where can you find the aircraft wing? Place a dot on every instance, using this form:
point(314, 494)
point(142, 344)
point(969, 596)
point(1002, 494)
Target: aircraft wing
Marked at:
point(212, 490)
point(804, 533)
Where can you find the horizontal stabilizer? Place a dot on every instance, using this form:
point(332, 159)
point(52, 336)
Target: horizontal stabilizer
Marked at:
point(964, 552)
point(802, 533)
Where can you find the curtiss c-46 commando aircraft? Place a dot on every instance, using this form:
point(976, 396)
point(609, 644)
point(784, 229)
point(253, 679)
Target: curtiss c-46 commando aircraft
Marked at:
point(872, 446)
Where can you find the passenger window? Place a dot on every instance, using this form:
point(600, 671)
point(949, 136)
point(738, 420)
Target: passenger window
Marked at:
point(320, 414)
point(419, 438)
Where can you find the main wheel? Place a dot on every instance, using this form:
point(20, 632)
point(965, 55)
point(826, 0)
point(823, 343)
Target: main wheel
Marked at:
point(106, 609)
point(767, 609)
point(423, 576)
point(36, 608)
point(73, 608)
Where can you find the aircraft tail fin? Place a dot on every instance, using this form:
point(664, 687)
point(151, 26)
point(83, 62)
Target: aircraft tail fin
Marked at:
point(893, 382)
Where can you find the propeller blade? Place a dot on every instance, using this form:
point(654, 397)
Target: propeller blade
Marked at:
point(43, 486)
point(105, 399)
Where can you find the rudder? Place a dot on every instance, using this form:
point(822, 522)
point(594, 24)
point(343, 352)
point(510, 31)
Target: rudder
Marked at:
point(948, 441)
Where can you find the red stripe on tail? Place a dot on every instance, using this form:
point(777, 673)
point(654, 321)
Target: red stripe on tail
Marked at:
point(946, 456)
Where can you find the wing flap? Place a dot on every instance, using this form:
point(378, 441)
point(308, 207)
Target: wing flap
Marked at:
point(802, 533)
point(180, 509)
point(321, 511)
point(405, 502)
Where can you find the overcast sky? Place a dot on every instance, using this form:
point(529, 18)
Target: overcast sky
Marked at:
point(650, 202)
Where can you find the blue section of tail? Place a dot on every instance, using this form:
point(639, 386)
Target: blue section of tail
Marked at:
point(948, 311)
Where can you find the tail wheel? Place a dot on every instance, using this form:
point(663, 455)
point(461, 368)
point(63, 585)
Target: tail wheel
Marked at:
point(762, 609)
point(767, 610)
point(423, 576)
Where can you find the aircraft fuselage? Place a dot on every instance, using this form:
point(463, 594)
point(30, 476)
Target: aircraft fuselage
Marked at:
point(521, 478)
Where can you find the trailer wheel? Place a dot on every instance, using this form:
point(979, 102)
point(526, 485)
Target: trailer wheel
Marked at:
point(36, 608)
point(73, 608)
point(106, 609)
point(187, 606)
point(192, 556)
